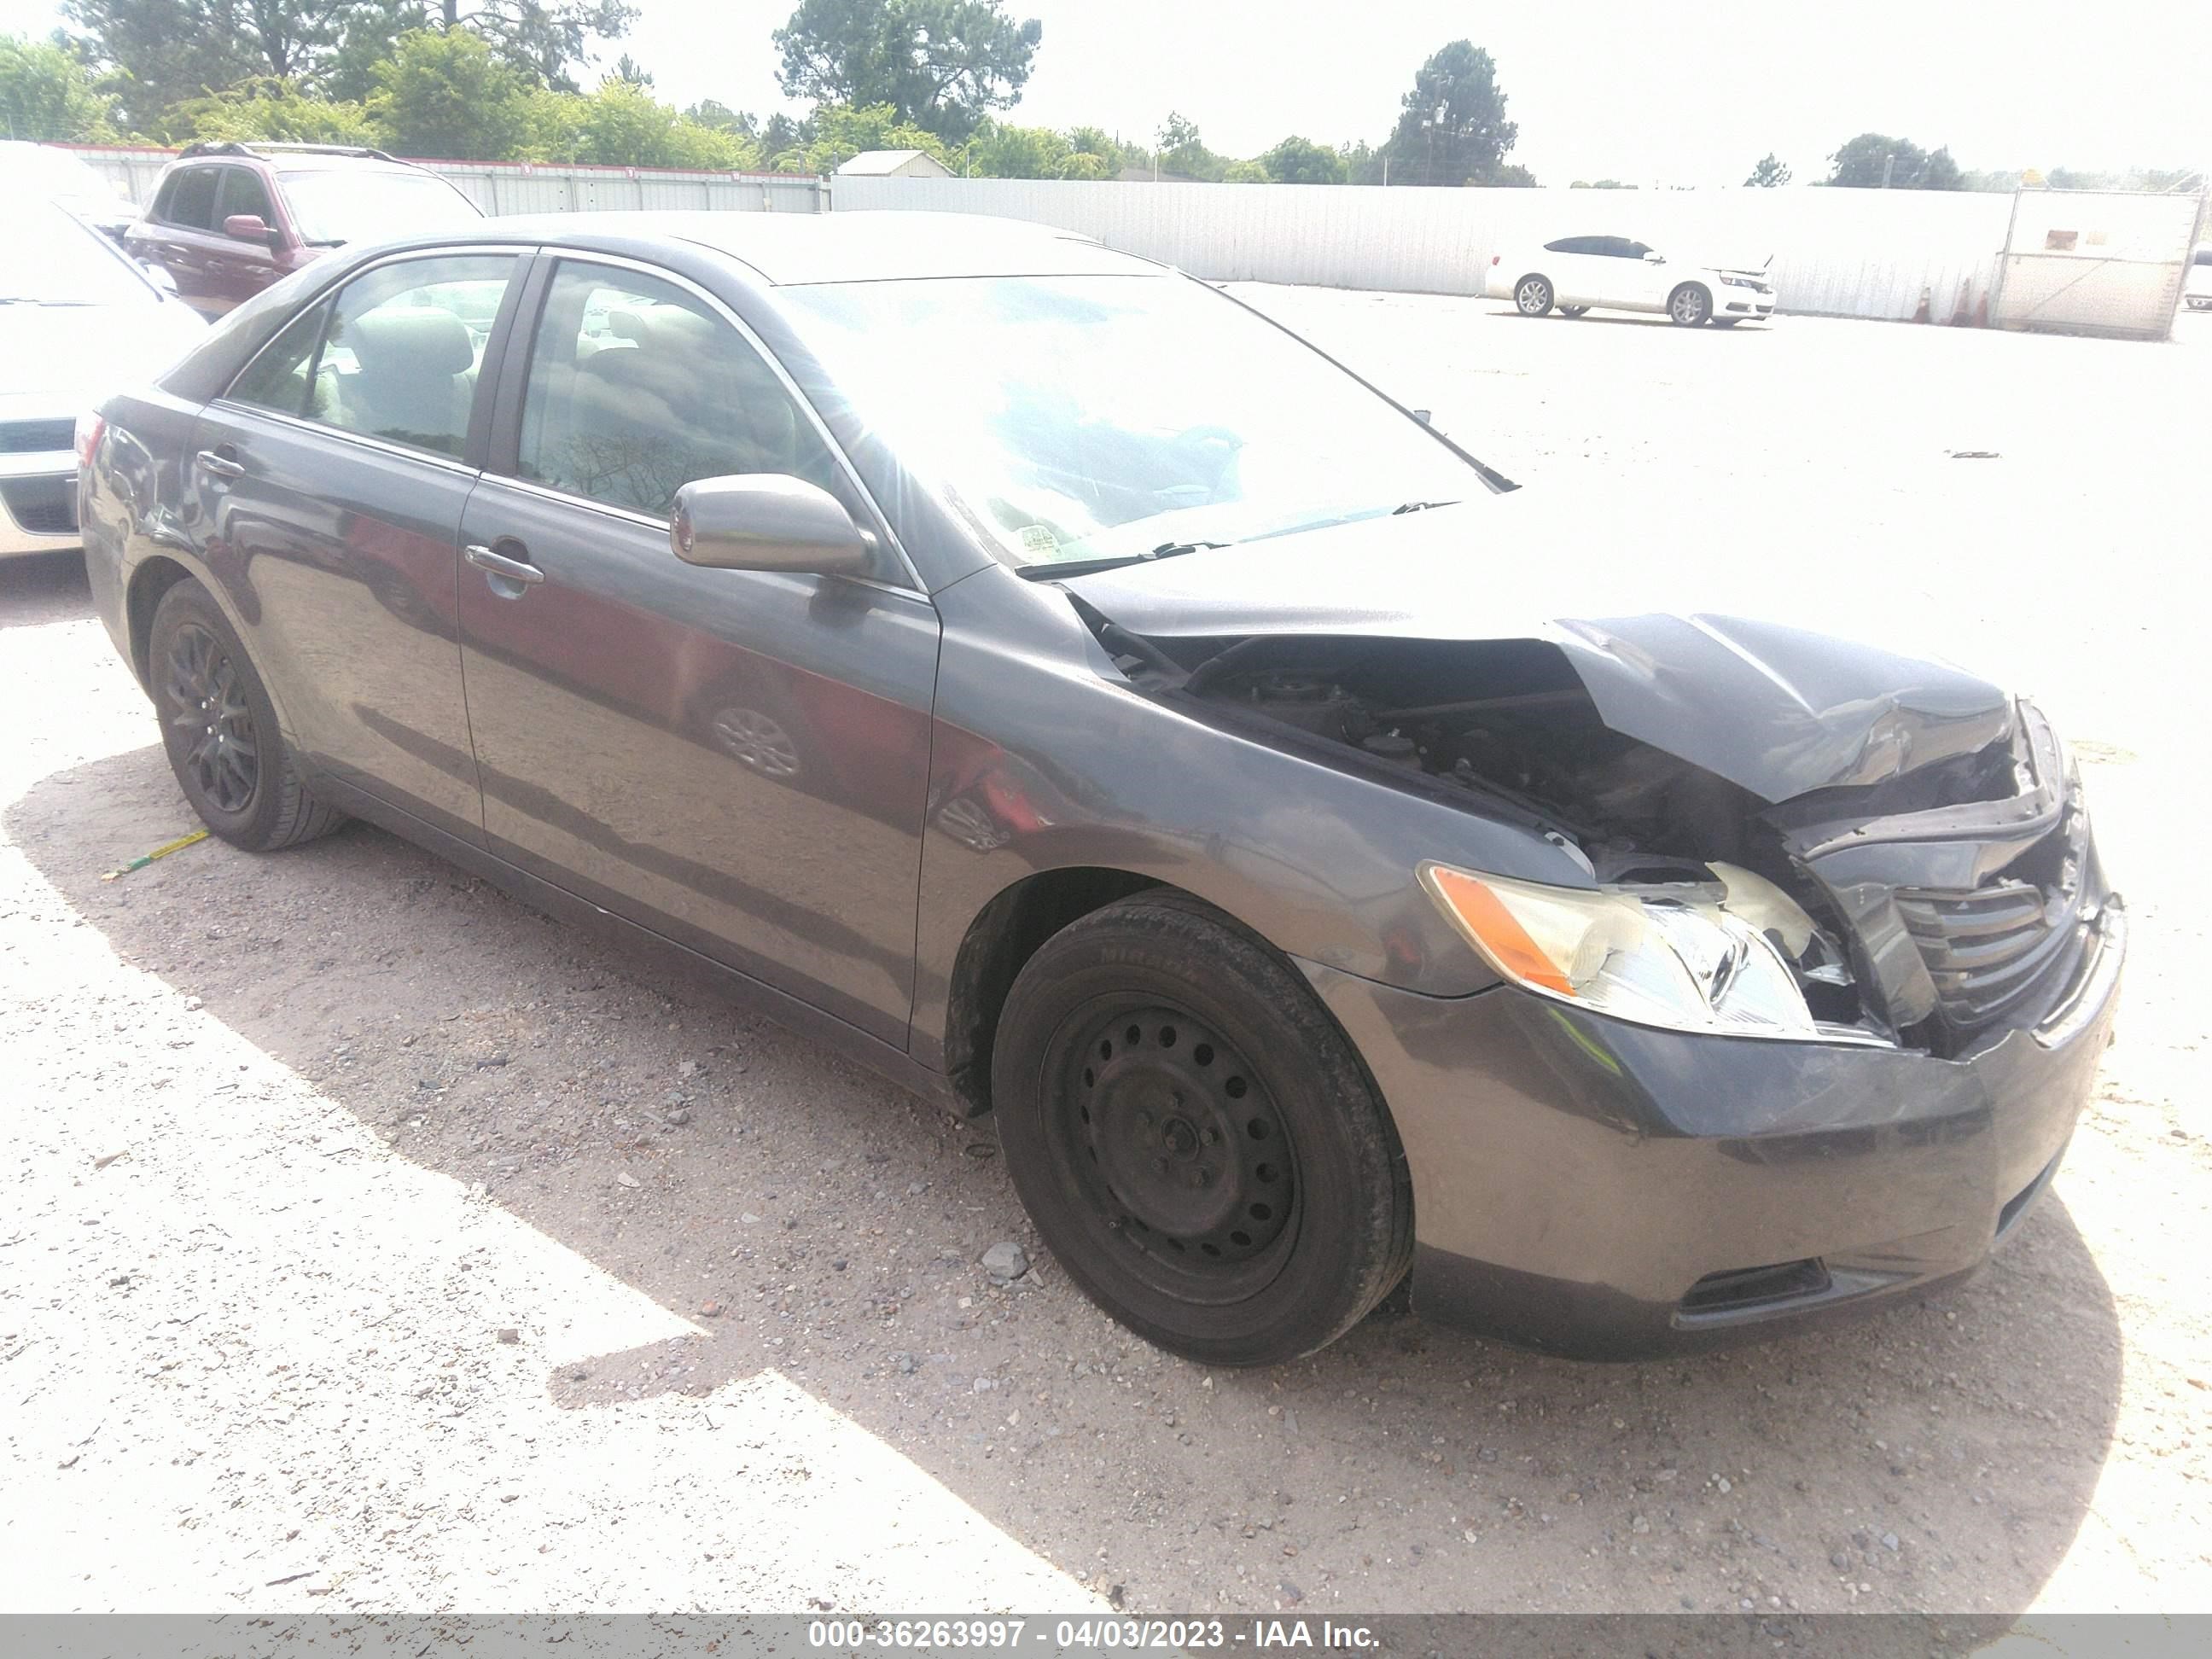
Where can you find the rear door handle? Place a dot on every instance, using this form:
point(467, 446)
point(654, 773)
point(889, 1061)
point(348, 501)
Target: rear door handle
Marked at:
point(220, 465)
point(498, 564)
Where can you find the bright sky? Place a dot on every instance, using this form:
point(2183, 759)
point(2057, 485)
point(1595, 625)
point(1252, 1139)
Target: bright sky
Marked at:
point(1601, 88)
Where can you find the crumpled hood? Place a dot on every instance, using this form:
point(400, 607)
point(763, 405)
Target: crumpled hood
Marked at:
point(1692, 653)
point(71, 356)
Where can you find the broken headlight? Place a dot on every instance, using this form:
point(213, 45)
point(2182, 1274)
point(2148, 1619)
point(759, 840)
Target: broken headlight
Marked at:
point(1672, 955)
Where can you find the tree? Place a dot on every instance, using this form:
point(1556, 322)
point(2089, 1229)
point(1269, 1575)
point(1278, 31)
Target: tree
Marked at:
point(1452, 128)
point(1086, 164)
point(543, 39)
point(1768, 171)
point(623, 124)
point(998, 151)
point(1301, 161)
point(1245, 172)
point(943, 65)
point(265, 107)
point(47, 94)
point(1874, 160)
point(631, 72)
point(448, 94)
point(1363, 162)
point(714, 112)
point(154, 53)
point(1181, 151)
point(1602, 184)
point(836, 133)
point(1511, 176)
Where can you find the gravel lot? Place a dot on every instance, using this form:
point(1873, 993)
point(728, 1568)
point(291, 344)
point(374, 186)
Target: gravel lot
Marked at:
point(368, 1241)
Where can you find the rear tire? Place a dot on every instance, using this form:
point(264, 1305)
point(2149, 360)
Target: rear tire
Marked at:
point(1690, 306)
point(1532, 296)
point(219, 730)
point(1196, 1141)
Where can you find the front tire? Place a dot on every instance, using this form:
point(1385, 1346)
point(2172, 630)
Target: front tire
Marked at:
point(1690, 306)
point(1572, 312)
point(219, 730)
point(1532, 296)
point(1196, 1141)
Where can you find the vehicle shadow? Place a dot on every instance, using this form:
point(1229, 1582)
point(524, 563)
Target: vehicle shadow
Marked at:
point(1940, 1456)
point(1628, 319)
point(43, 587)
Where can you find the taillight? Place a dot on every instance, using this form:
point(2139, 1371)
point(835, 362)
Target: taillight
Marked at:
point(89, 429)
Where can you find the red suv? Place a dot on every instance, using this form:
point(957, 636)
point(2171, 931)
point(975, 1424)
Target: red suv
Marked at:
point(229, 219)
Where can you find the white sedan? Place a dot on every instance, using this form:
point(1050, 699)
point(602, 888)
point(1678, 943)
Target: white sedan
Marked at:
point(1578, 273)
point(78, 320)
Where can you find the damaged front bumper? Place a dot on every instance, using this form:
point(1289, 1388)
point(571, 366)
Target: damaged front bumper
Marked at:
point(1604, 1190)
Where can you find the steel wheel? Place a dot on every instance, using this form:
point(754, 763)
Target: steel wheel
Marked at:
point(1689, 305)
point(1533, 296)
point(1176, 1148)
point(758, 742)
point(207, 704)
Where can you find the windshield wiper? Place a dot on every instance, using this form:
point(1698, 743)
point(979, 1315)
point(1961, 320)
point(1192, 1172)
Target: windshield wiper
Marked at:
point(1052, 572)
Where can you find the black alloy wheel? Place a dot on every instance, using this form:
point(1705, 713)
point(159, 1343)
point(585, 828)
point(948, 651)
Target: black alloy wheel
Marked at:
point(221, 731)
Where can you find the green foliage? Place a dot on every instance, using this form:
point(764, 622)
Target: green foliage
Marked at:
point(1088, 165)
point(1301, 161)
point(1769, 173)
point(266, 107)
point(448, 96)
point(1183, 153)
point(1363, 162)
point(836, 133)
point(998, 151)
point(943, 65)
point(151, 54)
point(1600, 184)
point(47, 94)
point(1452, 128)
point(1861, 163)
point(623, 124)
point(1244, 173)
point(1511, 176)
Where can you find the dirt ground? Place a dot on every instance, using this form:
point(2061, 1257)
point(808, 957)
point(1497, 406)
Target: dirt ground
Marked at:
point(368, 1241)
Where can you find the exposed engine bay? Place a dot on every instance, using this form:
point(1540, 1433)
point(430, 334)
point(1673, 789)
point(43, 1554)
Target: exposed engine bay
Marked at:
point(1509, 728)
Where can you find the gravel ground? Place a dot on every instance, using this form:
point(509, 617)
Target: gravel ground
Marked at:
point(370, 1243)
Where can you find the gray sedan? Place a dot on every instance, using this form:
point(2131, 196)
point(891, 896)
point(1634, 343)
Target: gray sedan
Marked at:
point(1052, 683)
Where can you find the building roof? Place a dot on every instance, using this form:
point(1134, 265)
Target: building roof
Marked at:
point(884, 162)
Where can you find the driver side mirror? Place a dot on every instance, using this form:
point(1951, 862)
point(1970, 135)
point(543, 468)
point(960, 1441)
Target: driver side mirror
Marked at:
point(250, 228)
point(767, 521)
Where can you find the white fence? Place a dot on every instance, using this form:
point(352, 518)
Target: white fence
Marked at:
point(545, 187)
point(1836, 253)
point(1869, 253)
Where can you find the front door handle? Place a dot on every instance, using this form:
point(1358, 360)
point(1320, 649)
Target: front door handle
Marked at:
point(220, 465)
point(498, 564)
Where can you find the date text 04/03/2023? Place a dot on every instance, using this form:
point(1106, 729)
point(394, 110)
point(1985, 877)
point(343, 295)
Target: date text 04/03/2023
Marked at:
point(1123, 1634)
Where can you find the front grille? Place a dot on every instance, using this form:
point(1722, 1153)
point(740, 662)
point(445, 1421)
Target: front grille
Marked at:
point(36, 437)
point(2013, 943)
point(44, 507)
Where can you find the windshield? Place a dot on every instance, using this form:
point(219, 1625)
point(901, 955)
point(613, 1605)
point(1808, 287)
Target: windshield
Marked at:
point(358, 204)
point(1086, 417)
point(60, 260)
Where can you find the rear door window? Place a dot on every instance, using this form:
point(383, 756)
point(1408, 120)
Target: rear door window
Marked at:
point(396, 356)
point(191, 199)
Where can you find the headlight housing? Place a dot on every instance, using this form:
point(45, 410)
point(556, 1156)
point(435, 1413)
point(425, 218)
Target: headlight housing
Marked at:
point(1677, 956)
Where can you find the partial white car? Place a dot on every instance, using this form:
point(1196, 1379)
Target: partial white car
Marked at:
point(1617, 273)
point(79, 319)
point(2197, 288)
point(53, 174)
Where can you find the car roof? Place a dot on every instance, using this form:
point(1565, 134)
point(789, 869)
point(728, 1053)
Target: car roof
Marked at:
point(789, 249)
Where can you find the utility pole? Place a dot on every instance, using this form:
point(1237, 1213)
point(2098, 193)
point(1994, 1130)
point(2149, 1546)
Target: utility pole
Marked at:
point(1888, 166)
